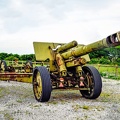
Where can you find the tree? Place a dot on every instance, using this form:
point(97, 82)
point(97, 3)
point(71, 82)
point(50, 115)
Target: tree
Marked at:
point(3, 56)
point(10, 57)
point(99, 53)
point(106, 56)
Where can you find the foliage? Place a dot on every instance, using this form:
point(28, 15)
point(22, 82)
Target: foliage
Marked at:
point(118, 61)
point(104, 61)
point(3, 56)
point(99, 54)
point(106, 56)
point(11, 57)
point(94, 61)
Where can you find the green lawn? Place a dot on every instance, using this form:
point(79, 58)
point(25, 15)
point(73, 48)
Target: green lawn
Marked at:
point(109, 71)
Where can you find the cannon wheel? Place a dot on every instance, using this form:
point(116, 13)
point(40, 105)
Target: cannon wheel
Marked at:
point(92, 81)
point(41, 84)
point(3, 65)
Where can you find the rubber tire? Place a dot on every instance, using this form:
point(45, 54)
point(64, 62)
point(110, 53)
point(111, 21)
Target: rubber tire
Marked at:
point(46, 83)
point(5, 64)
point(97, 83)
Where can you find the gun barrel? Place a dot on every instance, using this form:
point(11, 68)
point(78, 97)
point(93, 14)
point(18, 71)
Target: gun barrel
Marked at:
point(112, 40)
point(67, 46)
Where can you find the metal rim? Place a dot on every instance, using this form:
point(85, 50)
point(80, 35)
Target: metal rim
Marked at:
point(38, 85)
point(89, 83)
point(92, 81)
point(41, 84)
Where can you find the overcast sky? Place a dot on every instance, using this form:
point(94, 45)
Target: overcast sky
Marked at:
point(25, 21)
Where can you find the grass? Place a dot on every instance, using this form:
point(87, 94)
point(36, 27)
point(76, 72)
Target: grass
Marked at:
point(109, 97)
point(77, 107)
point(19, 101)
point(3, 92)
point(109, 71)
point(52, 102)
point(27, 112)
point(35, 105)
point(82, 118)
point(8, 116)
point(86, 107)
point(105, 97)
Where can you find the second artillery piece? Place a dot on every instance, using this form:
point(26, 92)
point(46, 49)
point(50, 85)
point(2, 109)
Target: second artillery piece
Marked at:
point(65, 68)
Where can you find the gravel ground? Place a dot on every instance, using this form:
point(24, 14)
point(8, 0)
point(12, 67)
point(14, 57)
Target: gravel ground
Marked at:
point(17, 103)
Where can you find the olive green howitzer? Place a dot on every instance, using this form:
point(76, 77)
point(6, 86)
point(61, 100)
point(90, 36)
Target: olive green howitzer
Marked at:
point(64, 67)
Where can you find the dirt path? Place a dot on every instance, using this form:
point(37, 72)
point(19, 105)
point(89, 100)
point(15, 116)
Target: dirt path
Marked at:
point(17, 103)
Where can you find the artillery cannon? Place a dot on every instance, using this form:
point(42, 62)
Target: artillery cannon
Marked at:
point(62, 66)
point(65, 68)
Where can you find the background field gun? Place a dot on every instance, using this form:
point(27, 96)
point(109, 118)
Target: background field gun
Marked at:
point(16, 71)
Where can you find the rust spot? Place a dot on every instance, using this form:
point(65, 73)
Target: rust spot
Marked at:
point(58, 61)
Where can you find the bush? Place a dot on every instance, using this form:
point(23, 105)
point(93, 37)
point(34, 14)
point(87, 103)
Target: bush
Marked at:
point(118, 61)
point(103, 74)
point(94, 61)
point(104, 61)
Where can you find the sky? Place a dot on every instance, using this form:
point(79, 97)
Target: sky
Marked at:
point(24, 21)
